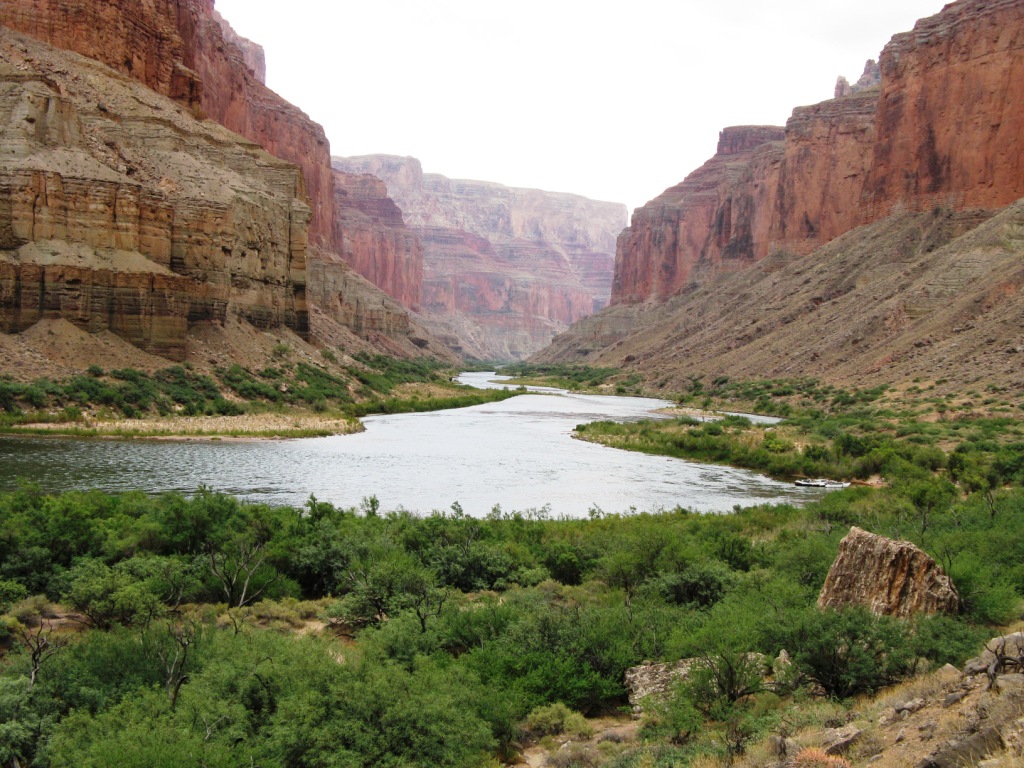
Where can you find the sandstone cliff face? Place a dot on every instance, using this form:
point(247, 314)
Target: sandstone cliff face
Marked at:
point(942, 129)
point(950, 121)
point(504, 268)
point(704, 219)
point(119, 210)
point(370, 235)
point(183, 49)
point(179, 49)
point(890, 578)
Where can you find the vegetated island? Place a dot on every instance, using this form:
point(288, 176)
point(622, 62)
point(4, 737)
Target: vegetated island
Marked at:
point(287, 399)
point(879, 435)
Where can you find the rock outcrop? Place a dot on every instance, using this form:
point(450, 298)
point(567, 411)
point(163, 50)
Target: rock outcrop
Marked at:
point(890, 578)
point(871, 78)
point(370, 235)
point(504, 269)
point(119, 210)
point(941, 128)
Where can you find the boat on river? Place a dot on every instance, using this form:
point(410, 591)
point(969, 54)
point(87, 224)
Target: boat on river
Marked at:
point(821, 482)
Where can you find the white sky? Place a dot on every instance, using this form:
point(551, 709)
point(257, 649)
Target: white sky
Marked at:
point(612, 100)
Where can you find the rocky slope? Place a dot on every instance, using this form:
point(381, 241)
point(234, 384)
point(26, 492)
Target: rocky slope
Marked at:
point(128, 211)
point(844, 251)
point(504, 269)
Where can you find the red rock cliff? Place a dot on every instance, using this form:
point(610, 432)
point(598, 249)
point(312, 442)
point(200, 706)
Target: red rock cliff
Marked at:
point(371, 236)
point(944, 128)
point(120, 211)
point(950, 121)
point(504, 268)
point(185, 50)
point(701, 218)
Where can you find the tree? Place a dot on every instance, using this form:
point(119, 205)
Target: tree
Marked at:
point(239, 567)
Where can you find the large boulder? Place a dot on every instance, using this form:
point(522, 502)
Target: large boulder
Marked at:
point(890, 578)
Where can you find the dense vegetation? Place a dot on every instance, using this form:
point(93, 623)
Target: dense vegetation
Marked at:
point(191, 642)
point(925, 453)
point(370, 384)
point(562, 375)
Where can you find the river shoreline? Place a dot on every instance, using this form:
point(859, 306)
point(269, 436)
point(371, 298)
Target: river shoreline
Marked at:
point(260, 426)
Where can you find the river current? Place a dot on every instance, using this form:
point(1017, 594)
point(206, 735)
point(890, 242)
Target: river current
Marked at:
point(518, 454)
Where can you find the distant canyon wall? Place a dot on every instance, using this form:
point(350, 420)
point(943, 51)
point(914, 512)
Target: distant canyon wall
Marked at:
point(504, 269)
point(943, 129)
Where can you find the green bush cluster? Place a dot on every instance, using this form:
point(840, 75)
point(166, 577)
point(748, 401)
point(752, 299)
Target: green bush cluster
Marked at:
point(563, 375)
point(466, 628)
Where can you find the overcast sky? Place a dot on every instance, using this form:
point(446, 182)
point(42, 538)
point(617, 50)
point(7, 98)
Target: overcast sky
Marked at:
point(612, 100)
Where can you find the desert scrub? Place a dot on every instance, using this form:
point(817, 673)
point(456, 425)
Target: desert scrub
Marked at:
point(561, 375)
point(556, 719)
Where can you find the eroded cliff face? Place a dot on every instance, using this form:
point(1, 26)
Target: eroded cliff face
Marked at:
point(950, 121)
point(370, 235)
point(179, 49)
point(504, 269)
point(943, 129)
point(706, 218)
point(185, 51)
point(120, 211)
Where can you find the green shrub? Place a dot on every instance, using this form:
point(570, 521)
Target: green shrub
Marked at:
point(555, 719)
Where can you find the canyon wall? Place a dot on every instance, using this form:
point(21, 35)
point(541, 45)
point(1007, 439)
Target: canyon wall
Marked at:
point(944, 128)
point(120, 211)
point(504, 269)
point(370, 235)
point(184, 50)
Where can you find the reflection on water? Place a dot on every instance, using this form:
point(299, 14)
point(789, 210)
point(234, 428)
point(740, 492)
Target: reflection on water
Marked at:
point(517, 454)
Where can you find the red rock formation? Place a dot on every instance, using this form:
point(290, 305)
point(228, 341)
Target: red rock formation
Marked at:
point(185, 50)
point(944, 129)
point(140, 40)
point(252, 53)
point(119, 210)
point(179, 49)
point(371, 236)
point(950, 122)
point(891, 578)
point(700, 219)
point(504, 268)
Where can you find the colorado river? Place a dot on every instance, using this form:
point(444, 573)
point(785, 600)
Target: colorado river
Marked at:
point(517, 454)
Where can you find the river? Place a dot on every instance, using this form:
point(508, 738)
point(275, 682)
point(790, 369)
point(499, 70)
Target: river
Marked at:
point(518, 454)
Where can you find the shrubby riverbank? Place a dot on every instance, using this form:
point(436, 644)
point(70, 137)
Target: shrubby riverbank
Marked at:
point(146, 628)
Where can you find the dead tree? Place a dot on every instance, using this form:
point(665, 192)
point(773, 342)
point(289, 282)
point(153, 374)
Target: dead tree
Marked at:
point(41, 645)
point(1002, 661)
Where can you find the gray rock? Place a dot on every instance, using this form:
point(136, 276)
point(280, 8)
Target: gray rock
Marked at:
point(837, 741)
point(968, 752)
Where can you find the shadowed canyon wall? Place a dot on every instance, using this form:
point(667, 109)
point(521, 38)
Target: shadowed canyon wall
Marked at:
point(943, 128)
point(504, 269)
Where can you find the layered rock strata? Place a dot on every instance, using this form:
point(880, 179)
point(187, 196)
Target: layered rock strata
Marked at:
point(370, 235)
point(504, 269)
point(889, 578)
point(119, 210)
point(943, 129)
point(184, 50)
